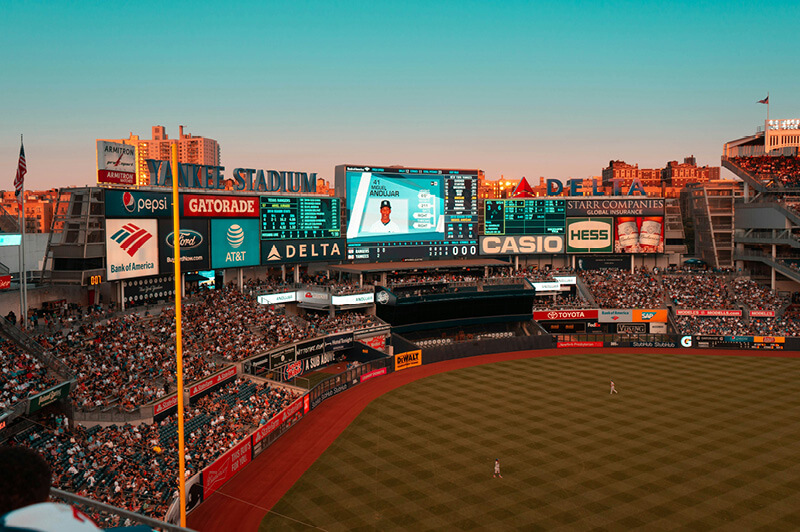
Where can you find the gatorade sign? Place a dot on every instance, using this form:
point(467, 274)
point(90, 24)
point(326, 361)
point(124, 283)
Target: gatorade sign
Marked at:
point(590, 235)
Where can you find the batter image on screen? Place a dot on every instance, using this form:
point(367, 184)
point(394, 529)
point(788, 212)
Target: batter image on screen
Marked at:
point(381, 206)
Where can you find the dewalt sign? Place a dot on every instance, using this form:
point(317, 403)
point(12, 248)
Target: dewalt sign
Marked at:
point(407, 360)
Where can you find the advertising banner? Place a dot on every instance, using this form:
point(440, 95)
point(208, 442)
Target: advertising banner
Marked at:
point(353, 299)
point(407, 360)
point(568, 279)
point(310, 348)
point(564, 327)
point(579, 344)
point(754, 313)
point(709, 312)
point(136, 204)
point(234, 243)
point(220, 206)
point(223, 469)
point(193, 241)
point(165, 407)
point(327, 394)
point(658, 328)
point(550, 315)
point(375, 342)
point(212, 381)
point(607, 315)
point(277, 420)
point(47, 397)
point(282, 356)
point(293, 251)
point(651, 315)
point(292, 370)
point(632, 328)
point(314, 297)
point(315, 361)
point(337, 342)
point(116, 163)
point(148, 289)
point(372, 374)
point(636, 234)
point(277, 299)
point(600, 262)
point(590, 235)
point(522, 245)
point(547, 287)
point(616, 206)
point(131, 248)
point(5, 282)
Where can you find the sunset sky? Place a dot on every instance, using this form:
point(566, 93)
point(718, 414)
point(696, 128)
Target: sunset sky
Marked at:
point(554, 89)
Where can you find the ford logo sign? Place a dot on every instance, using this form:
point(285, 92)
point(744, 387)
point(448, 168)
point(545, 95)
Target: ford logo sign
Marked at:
point(189, 239)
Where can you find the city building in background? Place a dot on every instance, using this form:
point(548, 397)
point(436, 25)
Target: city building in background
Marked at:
point(191, 150)
point(39, 206)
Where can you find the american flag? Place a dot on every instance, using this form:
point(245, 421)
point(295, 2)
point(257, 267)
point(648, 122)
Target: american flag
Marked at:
point(22, 169)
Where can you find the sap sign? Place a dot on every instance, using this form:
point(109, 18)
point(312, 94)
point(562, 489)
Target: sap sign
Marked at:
point(590, 235)
point(514, 245)
point(234, 243)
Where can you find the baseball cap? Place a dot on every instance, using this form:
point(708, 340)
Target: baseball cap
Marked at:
point(385, 203)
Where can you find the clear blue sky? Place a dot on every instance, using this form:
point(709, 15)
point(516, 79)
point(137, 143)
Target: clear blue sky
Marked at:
point(552, 89)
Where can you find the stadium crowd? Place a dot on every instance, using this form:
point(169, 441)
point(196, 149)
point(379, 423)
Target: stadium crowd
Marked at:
point(622, 289)
point(133, 466)
point(778, 171)
point(21, 375)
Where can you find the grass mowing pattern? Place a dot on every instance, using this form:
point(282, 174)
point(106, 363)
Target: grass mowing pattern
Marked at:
point(691, 442)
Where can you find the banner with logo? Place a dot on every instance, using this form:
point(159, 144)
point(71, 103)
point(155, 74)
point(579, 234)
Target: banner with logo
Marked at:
point(372, 374)
point(277, 299)
point(632, 328)
point(5, 282)
point(48, 397)
point(295, 409)
point(553, 286)
point(406, 360)
point(337, 342)
point(353, 299)
point(131, 248)
point(708, 312)
point(762, 313)
point(375, 342)
point(294, 251)
point(147, 290)
point(522, 245)
point(194, 242)
point(234, 243)
point(611, 315)
point(116, 163)
point(223, 469)
point(579, 344)
point(136, 204)
point(211, 383)
point(165, 407)
point(282, 356)
point(313, 297)
point(310, 348)
point(549, 315)
point(590, 235)
point(220, 206)
point(616, 206)
point(651, 315)
point(658, 328)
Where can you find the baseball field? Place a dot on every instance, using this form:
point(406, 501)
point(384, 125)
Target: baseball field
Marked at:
point(690, 442)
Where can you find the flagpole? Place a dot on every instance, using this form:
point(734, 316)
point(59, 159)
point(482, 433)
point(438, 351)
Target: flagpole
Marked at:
point(23, 287)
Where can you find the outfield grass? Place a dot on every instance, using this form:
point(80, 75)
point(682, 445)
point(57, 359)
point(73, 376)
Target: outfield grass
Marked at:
point(691, 442)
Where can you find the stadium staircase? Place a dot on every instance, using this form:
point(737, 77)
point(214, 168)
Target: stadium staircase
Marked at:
point(33, 348)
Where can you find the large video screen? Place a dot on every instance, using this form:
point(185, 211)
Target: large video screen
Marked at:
point(410, 213)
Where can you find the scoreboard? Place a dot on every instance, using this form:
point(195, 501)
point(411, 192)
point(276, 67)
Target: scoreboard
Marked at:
point(524, 217)
point(299, 218)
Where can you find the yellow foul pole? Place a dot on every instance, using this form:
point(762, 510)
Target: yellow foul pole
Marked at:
point(176, 239)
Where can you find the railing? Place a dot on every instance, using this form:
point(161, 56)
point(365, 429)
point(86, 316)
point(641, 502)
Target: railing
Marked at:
point(35, 349)
point(113, 510)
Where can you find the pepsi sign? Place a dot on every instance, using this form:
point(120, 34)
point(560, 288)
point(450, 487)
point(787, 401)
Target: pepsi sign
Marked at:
point(136, 204)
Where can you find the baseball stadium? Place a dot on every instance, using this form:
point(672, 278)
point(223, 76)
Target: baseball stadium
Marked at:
point(415, 350)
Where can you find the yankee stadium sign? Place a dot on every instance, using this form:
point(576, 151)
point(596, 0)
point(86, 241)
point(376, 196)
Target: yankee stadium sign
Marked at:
point(211, 178)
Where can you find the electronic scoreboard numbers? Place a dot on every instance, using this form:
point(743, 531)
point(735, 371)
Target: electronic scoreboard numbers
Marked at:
point(524, 217)
point(299, 218)
point(410, 213)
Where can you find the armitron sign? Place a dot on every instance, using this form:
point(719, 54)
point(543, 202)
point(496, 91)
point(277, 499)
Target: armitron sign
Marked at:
point(553, 315)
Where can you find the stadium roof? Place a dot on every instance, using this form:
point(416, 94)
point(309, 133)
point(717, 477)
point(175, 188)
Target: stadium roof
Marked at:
point(417, 265)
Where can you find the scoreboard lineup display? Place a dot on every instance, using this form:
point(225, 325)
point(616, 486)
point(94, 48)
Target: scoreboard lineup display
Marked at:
point(299, 218)
point(524, 217)
point(411, 213)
